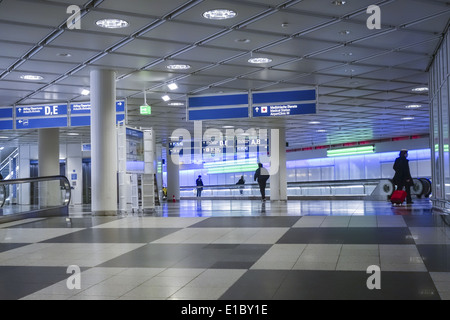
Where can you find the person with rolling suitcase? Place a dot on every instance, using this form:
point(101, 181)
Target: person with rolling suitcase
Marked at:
point(402, 179)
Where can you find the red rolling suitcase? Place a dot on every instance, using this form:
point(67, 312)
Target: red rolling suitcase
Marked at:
point(398, 196)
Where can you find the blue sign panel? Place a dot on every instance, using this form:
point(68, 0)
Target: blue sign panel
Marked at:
point(210, 114)
point(218, 107)
point(6, 124)
point(120, 106)
point(220, 100)
point(36, 123)
point(80, 108)
point(6, 113)
point(284, 103)
point(41, 111)
point(284, 110)
point(80, 121)
point(85, 107)
point(283, 96)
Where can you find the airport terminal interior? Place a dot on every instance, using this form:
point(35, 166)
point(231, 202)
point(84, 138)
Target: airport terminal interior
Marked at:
point(135, 136)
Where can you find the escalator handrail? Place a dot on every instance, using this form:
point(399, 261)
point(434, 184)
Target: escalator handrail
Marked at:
point(66, 181)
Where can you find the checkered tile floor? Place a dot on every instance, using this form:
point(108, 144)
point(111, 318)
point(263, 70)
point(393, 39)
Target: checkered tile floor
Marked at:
point(233, 250)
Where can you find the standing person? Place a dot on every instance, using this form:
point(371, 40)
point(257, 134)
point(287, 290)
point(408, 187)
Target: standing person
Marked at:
point(402, 177)
point(199, 184)
point(241, 182)
point(261, 175)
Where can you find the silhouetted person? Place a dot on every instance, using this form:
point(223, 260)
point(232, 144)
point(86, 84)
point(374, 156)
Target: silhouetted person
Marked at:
point(402, 178)
point(199, 184)
point(261, 175)
point(241, 182)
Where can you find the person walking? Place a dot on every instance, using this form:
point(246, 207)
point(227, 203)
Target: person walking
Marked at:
point(241, 182)
point(199, 184)
point(261, 175)
point(402, 178)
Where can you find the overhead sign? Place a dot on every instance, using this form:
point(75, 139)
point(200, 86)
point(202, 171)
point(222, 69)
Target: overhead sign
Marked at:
point(6, 119)
point(284, 103)
point(80, 113)
point(261, 104)
point(224, 106)
point(283, 110)
point(42, 116)
point(45, 111)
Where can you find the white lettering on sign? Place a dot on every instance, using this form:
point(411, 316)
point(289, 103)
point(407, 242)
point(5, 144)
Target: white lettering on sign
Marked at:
point(51, 110)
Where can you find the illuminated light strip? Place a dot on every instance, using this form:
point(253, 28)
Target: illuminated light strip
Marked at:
point(350, 151)
point(217, 164)
point(233, 169)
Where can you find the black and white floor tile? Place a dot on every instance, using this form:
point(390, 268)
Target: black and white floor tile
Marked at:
point(231, 250)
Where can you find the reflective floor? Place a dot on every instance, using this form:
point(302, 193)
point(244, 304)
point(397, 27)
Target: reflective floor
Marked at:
point(232, 250)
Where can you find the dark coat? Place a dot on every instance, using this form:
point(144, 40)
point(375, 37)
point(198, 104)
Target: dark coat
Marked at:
point(261, 175)
point(402, 173)
point(199, 183)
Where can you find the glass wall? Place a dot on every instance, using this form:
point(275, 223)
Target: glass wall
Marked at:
point(371, 166)
point(440, 128)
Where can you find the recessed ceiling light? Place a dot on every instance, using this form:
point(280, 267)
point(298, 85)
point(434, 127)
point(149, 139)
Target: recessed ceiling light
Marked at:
point(314, 122)
point(407, 118)
point(172, 86)
point(259, 60)
point(413, 106)
point(85, 92)
point(64, 54)
point(242, 40)
point(321, 130)
point(112, 23)
point(344, 32)
point(219, 14)
point(176, 104)
point(4, 137)
point(165, 98)
point(420, 89)
point(178, 67)
point(338, 2)
point(72, 134)
point(31, 77)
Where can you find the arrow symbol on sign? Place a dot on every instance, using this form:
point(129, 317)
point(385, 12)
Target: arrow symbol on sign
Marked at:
point(20, 110)
point(257, 109)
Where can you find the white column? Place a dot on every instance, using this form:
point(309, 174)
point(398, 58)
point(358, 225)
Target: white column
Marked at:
point(48, 154)
point(173, 178)
point(74, 168)
point(24, 172)
point(103, 142)
point(278, 181)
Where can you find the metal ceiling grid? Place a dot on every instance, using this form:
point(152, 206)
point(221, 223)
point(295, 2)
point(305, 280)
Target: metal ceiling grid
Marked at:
point(364, 75)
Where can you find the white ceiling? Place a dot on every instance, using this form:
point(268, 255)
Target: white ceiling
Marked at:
point(364, 77)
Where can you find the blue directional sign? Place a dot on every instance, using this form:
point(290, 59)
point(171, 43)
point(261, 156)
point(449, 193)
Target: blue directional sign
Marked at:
point(225, 106)
point(45, 111)
point(6, 118)
point(284, 103)
point(283, 110)
point(37, 123)
point(80, 113)
point(41, 116)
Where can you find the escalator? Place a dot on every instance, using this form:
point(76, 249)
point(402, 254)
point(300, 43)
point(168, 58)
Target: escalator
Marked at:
point(51, 197)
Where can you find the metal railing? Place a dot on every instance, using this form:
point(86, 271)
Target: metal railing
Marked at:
point(34, 197)
point(379, 189)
